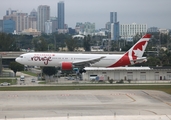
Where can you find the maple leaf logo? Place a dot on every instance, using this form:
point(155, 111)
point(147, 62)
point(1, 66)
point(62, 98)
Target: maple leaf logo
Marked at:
point(138, 50)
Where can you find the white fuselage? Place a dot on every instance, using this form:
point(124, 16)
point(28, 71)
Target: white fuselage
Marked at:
point(66, 60)
point(55, 59)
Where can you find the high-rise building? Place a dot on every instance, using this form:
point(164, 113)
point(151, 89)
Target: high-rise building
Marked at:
point(19, 18)
point(153, 29)
point(114, 26)
point(130, 30)
point(164, 31)
point(43, 15)
point(79, 28)
point(87, 28)
point(33, 13)
point(21, 22)
point(61, 15)
point(10, 20)
point(54, 21)
point(115, 31)
point(108, 26)
point(1, 25)
point(33, 19)
point(9, 26)
point(48, 27)
point(9, 11)
point(113, 17)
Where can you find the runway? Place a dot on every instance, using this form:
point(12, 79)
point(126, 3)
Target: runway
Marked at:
point(85, 105)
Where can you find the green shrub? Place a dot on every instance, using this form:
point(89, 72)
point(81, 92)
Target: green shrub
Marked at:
point(111, 81)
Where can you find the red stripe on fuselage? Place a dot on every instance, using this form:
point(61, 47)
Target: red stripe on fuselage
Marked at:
point(124, 60)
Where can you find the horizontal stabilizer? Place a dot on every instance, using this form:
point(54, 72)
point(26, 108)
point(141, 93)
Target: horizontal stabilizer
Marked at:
point(139, 60)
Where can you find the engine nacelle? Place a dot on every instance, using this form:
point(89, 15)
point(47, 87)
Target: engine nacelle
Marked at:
point(66, 66)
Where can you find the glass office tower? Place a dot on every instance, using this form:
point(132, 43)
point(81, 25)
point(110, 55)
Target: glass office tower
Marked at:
point(61, 15)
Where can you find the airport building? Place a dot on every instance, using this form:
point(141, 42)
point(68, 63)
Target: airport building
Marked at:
point(128, 73)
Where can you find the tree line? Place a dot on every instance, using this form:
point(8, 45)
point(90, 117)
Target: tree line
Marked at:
point(53, 42)
point(157, 51)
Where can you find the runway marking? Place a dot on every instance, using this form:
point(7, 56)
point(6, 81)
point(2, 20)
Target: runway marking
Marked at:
point(12, 96)
point(123, 94)
point(127, 94)
point(157, 98)
point(133, 100)
point(65, 95)
point(167, 103)
point(168, 117)
point(151, 111)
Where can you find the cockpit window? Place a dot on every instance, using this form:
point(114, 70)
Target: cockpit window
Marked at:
point(21, 56)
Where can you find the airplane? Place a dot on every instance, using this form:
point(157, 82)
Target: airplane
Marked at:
point(68, 61)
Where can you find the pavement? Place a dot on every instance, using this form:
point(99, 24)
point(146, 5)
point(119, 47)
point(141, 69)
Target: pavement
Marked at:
point(85, 105)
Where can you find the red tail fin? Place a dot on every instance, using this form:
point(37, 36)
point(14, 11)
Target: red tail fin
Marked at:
point(134, 52)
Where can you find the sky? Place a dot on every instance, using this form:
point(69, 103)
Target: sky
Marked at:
point(154, 13)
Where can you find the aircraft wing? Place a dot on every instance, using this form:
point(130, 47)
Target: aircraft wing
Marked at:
point(87, 62)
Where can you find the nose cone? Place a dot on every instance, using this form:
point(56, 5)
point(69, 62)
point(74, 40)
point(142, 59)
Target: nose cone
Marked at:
point(18, 60)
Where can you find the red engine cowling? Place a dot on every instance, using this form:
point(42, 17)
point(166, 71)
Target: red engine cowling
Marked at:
point(66, 66)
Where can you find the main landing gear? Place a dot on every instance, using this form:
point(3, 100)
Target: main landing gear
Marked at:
point(82, 71)
point(79, 73)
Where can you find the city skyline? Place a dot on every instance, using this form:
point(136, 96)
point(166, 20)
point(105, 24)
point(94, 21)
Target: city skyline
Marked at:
point(153, 13)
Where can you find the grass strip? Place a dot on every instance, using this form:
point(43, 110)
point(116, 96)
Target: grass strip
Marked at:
point(165, 88)
point(29, 73)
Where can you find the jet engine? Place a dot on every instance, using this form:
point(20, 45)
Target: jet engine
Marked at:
point(66, 66)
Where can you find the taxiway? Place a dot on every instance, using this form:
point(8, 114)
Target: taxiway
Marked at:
point(85, 105)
